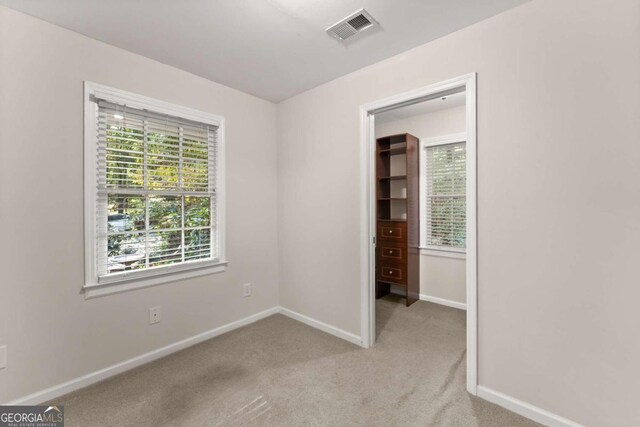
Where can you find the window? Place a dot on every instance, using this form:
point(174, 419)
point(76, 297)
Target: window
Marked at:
point(444, 193)
point(154, 191)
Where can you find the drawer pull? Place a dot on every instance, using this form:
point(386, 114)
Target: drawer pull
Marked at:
point(392, 274)
point(390, 231)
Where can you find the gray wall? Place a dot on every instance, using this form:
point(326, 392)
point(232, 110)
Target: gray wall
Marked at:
point(558, 198)
point(53, 334)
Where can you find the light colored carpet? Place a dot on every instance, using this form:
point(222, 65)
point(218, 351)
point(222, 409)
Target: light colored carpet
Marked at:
point(279, 372)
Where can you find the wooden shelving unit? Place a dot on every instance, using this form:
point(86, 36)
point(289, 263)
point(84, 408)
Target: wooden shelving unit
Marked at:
point(397, 213)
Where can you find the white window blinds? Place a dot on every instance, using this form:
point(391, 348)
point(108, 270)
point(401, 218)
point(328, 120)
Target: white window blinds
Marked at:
point(445, 187)
point(156, 195)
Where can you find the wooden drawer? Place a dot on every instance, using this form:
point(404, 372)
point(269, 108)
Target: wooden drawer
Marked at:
point(392, 231)
point(393, 272)
point(392, 252)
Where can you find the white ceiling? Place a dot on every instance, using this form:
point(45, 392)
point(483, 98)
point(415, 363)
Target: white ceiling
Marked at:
point(273, 49)
point(425, 107)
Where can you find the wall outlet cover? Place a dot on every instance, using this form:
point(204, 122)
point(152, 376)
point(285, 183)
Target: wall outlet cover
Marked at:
point(246, 290)
point(3, 357)
point(154, 315)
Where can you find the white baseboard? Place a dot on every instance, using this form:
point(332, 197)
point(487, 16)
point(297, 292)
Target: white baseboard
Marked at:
point(532, 412)
point(443, 301)
point(525, 409)
point(332, 330)
point(94, 377)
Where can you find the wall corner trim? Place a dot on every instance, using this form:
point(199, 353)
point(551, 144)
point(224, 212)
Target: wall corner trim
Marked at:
point(525, 409)
point(442, 301)
point(324, 327)
point(118, 368)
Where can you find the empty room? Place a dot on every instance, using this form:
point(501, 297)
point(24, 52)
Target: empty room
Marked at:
point(319, 212)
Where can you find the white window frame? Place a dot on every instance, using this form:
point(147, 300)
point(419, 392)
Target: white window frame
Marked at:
point(425, 249)
point(94, 288)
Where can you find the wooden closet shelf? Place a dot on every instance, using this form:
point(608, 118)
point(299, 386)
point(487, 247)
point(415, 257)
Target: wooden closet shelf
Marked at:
point(392, 151)
point(393, 178)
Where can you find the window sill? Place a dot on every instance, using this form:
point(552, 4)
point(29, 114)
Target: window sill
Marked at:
point(95, 290)
point(443, 253)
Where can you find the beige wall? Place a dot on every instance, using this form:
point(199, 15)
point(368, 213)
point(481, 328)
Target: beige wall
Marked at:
point(558, 108)
point(443, 277)
point(558, 198)
point(429, 125)
point(440, 277)
point(53, 334)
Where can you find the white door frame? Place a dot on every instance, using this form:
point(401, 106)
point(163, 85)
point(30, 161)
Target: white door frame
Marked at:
point(367, 210)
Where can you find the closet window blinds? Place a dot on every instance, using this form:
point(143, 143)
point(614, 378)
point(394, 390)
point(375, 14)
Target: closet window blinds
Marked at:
point(445, 187)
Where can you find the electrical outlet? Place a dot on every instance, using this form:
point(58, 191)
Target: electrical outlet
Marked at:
point(246, 290)
point(154, 315)
point(3, 357)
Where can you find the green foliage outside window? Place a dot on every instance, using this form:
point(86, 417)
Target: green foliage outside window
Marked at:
point(152, 229)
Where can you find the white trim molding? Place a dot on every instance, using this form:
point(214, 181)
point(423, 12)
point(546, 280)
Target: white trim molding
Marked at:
point(442, 301)
point(324, 327)
point(118, 368)
point(94, 291)
point(367, 228)
point(525, 409)
point(442, 253)
point(466, 83)
point(452, 138)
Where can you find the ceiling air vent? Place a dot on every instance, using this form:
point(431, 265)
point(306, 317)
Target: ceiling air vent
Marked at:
point(351, 25)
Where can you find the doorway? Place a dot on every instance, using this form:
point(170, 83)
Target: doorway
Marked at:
point(465, 84)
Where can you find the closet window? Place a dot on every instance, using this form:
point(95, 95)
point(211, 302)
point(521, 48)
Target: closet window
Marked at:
point(444, 195)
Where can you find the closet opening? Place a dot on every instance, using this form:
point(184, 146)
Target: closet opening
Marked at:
point(419, 221)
